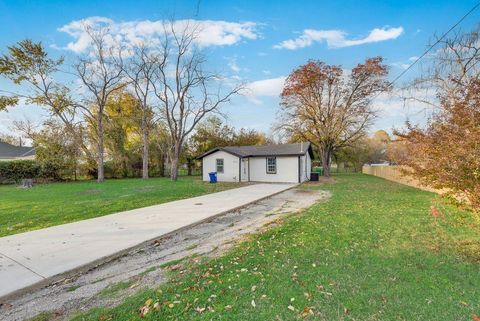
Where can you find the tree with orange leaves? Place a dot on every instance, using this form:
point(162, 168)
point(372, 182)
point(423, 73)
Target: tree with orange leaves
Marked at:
point(332, 109)
point(445, 153)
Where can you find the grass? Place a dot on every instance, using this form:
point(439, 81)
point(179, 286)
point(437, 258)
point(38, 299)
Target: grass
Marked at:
point(73, 288)
point(113, 289)
point(44, 316)
point(372, 252)
point(24, 210)
point(150, 269)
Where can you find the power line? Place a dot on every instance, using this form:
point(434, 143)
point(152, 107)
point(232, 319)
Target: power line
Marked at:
point(436, 43)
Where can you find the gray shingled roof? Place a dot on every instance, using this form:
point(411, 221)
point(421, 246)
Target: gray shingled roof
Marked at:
point(11, 151)
point(265, 150)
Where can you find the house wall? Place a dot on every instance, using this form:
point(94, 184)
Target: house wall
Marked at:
point(230, 165)
point(287, 170)
point(306, 167)
point(254, 169)
point(31, 157)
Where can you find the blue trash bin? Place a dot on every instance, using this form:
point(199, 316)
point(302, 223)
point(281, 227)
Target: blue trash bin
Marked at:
point(213, 177)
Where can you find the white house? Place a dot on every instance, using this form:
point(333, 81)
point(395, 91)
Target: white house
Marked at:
point(286, 163)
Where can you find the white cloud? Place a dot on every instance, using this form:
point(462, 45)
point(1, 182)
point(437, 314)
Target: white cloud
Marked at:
point(338, 38)
point(271, 87)
point(405, 65)
point(394, 106)
point(209, 32)
point(232, 63)
point(400, 65)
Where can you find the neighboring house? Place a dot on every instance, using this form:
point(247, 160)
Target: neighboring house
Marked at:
point(10, 152)
point(286, 163)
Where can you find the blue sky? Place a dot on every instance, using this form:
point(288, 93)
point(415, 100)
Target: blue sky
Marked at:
point(258, 42)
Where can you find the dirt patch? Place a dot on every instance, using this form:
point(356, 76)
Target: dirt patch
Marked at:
point(108, 284)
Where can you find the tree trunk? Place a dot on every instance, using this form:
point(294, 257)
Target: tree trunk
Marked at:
point(124, 166)
point(174, 164)
point(100, 168)
point(326, 160)
point(174, 169)
point(145, 152)
point(162, 165)
point(190, 167)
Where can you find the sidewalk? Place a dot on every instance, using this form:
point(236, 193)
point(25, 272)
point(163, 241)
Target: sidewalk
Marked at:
point(32, 258)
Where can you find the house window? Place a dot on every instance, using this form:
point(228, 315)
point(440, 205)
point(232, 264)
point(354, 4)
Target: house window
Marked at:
point(271, 165)
point(219, 165)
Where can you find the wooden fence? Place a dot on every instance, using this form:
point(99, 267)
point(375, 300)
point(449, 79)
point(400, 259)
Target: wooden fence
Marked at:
point(393, 173)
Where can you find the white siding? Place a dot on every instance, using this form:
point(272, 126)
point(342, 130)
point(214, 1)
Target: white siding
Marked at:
point(254, 169)
point(306, 167)
point(287, 170)
point(230, 165)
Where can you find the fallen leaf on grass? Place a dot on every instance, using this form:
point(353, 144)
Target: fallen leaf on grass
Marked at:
point(290, 307)
point(144, 310)
point(307, 311)
point(105, 317)
point(475, 317)
point(253, 303)
point(434, 211)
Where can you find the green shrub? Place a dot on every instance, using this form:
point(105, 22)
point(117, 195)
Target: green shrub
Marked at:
point(51, 171)
point(15, 171)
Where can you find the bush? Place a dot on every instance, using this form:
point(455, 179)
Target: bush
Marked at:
point(15, 171)
point(51, 171)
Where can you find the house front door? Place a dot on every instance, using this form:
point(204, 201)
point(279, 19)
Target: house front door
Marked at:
point(245, 171)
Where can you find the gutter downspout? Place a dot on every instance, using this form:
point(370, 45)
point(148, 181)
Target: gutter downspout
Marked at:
point(239, 169)
point(299, 174)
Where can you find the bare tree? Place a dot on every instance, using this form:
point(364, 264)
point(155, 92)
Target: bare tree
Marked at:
point(101, 73)
point(140, 71)
point(27, 63)
point(459, 55)
point(322, 105)
point(185, 90)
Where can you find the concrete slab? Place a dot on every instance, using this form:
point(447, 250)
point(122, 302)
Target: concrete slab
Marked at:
point(14, 275)
point(32, 257)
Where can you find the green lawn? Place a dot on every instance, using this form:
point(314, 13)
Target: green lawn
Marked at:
point(373, 252)
point(24, 210)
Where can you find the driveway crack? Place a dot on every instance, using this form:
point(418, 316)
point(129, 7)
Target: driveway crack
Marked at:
point(22, 265)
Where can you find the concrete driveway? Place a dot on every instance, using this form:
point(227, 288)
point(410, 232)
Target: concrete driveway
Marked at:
point(40, 257)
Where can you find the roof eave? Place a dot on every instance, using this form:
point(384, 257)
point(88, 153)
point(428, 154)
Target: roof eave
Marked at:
point(218, 149)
